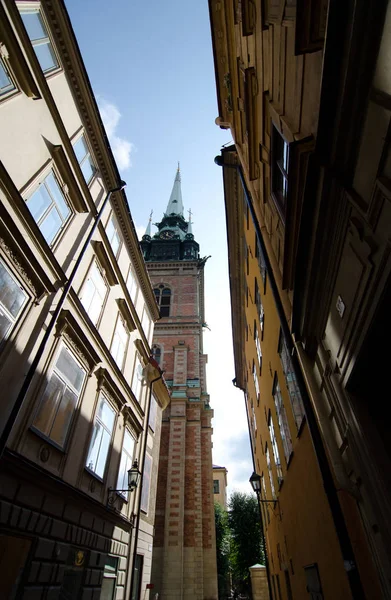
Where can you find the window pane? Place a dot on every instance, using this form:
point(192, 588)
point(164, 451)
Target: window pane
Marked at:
point(57, 196)
point(106, 414)
point(108, 588)
point(88, 169)
point(39, 202)
point(51, 225)
point(63, 417)
point(45, 56)
point(34, 25)
point(80, 149)
point(98, 281)
point(71, 370)
point(103, 452)
point(129, 443)
point(6, 83)
point(94, 446)
point(11, 296)
point(5, 325)
point(49, 403)
point(121, 481)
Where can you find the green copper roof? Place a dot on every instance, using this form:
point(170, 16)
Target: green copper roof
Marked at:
point(175, 204)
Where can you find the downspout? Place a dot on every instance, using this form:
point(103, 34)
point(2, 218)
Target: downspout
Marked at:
point(317, 442)
point(144, 451)
point(33, 367)
point(259, 504)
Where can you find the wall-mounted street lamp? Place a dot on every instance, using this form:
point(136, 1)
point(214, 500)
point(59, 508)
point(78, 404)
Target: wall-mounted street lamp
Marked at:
point(134, 475)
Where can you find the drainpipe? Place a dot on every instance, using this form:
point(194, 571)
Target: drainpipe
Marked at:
point(316, 438)
point(144, 451)
point(31, 372)
point(259, 504)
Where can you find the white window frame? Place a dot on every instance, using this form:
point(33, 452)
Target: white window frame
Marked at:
point(5, 311)
point(256, 382)
point(137, 385)
point(270, 471)
point(123, 342)
point(34, 7)
point(146, 321)
point(258, 346)
point(131, 284)
point(94, 266)
point(115, 233)
point(291, 382)
point(42, 181)
point(11, 88)
point(55, 371)
point(86, 157)
point(97, 419)
point(126, 462)
point(282, 420)
point(274, 445)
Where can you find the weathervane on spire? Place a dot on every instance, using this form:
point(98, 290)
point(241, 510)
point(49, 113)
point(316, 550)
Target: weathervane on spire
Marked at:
point(190, 215)
point(179, 167)
point(150, 216)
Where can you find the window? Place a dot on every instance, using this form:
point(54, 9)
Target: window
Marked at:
point(146, 483)
point(280, 167)
point(84, 159)
point(109, 580)
point(49, 208)
point(119, 343)
point(126, 463)
point(261, 259)
point(6, 83)
point(94, 293)
point(101, 438)
point(276, 453)
point(216, 486)
point(137, 378)
point(113, 235)
point(13, 299)
point(131, 284)
point(269, 468)
point(258, 302)
point(291, 382)
point(157, 353)
point(138, 574)
point(59, 400)
point(282, 420)
point(146, 323)
point(152, 414)
point(258, 345)
point(37, 32)
point(163, 299)
point(256, 384)
point(265, 498)
point(314, 587)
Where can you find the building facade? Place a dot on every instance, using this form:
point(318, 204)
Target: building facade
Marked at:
point(304, 88)
point(68, 523)
point(184, 553)
point(220, 485)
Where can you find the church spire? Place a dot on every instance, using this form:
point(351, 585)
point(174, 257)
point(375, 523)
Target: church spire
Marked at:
point(147, 234)
point(175, 205)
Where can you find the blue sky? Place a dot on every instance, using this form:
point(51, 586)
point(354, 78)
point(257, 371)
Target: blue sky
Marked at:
point(151, 68)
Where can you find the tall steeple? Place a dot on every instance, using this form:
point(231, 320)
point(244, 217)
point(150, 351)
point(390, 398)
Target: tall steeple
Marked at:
point(174, 239)
point(175, 204)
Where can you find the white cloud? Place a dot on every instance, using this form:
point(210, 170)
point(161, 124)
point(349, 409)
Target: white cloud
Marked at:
point(121, 148)
point(140, 230)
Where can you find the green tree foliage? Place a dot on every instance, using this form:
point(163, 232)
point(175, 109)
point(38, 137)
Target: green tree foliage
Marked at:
point(222, 550)
point(246, 548)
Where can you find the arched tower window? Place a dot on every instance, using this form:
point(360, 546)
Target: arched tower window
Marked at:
point(157, 353)
point(163, 299)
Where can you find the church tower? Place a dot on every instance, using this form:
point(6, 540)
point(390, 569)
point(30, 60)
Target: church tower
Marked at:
point(184, 553)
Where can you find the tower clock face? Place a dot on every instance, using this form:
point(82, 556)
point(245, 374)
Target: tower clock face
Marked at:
point(166, 235)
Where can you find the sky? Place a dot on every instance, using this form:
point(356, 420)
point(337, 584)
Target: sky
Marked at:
point(151, 69)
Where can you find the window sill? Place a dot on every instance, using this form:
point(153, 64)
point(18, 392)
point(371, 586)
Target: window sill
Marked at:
point(49, 441)
point(94, 475)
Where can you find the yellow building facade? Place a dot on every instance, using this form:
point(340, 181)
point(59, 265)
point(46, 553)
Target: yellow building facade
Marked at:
point(305, 89)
